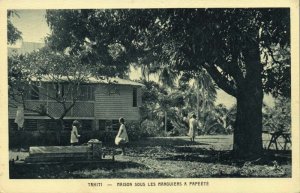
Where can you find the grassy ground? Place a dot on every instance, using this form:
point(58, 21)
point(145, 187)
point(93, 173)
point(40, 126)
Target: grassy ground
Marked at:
point(208, 156)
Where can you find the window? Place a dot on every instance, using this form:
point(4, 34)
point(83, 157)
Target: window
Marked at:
point(86, 93)
point(60, 90)
point(33, 93)
point(134, 97)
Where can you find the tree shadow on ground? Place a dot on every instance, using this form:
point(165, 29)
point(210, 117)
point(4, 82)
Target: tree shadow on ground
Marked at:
point(157, 147)
point(227, 157)
point(163, 142)
point(180, 149)
point(110, 169)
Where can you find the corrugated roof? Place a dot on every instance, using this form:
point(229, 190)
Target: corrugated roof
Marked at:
point(92, 80)
point(114, 81)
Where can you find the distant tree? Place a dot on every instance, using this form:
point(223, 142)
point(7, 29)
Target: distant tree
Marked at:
point(13, 34)
point(150, 98)
point(156, 103)
point(278, 118)
point(226, 117)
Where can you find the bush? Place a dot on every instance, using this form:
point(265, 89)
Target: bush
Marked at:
point(149, 128)
point(134, 130)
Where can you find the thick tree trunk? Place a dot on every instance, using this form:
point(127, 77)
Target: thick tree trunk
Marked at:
point(248, 128)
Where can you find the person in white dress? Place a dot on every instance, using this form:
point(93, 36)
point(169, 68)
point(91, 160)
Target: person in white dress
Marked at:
point(122, 137)
point(74, 133)
point(192, 127)
point(20, 117)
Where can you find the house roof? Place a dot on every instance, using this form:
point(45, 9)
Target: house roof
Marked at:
point(92, 80)
point(114, 81)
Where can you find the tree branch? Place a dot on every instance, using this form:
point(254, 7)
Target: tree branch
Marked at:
point(231, 67)
point(220, 80)
point(66, 110)
point(235, 71)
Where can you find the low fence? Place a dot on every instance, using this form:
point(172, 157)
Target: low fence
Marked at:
point(25, 139)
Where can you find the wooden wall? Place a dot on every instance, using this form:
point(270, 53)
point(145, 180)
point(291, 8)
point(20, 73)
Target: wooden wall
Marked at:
point(107, 106)
point(116, 105)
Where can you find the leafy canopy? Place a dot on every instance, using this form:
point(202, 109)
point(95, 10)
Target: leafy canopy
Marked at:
point(184, 40)
point(13, 34)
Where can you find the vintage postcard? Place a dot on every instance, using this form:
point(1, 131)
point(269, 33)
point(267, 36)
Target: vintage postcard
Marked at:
point(131, 96)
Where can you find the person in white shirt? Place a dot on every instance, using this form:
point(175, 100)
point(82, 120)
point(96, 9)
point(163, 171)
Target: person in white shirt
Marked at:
point(74, 133)
point(122, 137)
point(192, 127)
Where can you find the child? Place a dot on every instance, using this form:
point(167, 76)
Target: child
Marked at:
point(122, 137)
point(74, 133)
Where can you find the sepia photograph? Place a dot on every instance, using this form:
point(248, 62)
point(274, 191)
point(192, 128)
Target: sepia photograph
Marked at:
point(150, 98)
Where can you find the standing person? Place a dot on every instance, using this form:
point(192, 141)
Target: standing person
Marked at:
point(74, 133)
point(192, 127)
point(122, 137)
point(20, 117)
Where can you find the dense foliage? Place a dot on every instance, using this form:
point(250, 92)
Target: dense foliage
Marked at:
point(245, 51)
point(179, 103)
point(278, 117)
point(13, 34)
point(187, 39)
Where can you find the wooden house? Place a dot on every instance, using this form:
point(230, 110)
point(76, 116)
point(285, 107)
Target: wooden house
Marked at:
point(98, 107)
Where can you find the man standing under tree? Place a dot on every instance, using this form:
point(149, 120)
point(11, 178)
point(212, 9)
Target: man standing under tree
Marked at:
point(192, 127)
